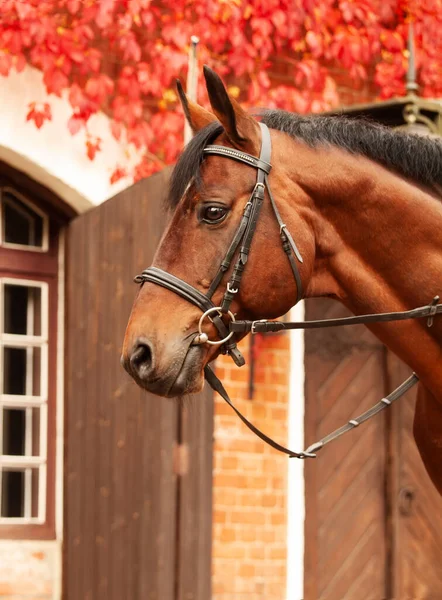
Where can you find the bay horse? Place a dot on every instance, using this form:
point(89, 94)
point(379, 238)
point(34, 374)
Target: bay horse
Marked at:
point(358, 212)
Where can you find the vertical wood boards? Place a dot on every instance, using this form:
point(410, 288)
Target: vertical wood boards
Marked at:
point(134, 529)
point(373, 518)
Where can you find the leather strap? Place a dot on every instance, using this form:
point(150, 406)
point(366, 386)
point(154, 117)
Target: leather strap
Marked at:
point(256, 200)
point(264, 326)
point(175, 284)
point(217, 386)
point(311, 451)
point(288, 244)
point(262, 163)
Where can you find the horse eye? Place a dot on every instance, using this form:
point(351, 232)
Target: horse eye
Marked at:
point(213, 214)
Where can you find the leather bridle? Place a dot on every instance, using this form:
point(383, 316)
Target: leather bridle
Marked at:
point(241, 244)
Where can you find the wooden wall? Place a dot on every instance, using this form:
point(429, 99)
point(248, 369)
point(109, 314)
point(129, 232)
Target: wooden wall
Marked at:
point(373, 517)
point(135, 528)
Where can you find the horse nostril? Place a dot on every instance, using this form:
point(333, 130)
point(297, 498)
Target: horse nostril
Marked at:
point(141, 359)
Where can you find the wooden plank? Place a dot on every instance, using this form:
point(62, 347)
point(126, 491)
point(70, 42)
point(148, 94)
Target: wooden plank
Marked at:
point(76, 318)
point(105, 387)
point(345, 487)
point(195, 499)
point(157, 537)
point(90, 353)
point(121, 500)
point(418, 524)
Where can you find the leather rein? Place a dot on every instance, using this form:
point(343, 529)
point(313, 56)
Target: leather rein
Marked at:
point(240, 244)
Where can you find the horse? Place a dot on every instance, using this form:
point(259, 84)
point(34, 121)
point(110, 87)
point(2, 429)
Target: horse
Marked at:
point(348, 209)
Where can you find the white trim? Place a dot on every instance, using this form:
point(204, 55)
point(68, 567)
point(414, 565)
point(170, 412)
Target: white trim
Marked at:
point(42, 500)
point(296, 488)
point(59, 424)
point(9, 401)
point(45, 232)
point(21, 521)
point(28, 401)
point(15, 340)
point(13, 461)
point(44, 289)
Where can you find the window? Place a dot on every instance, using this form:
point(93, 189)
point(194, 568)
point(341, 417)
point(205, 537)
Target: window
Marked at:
point(31, 254)
point(23, 225)
point(23, 400)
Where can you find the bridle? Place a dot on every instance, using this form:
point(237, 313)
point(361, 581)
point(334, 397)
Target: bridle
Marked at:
point(241, 243)
point(242, 240)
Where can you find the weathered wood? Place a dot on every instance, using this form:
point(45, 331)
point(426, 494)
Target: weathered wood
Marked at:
point(122, 501)
point(418, 507)
point(365, 537)
point(195, 493)
point(345, 497)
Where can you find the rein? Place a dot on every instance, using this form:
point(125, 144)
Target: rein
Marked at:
point(242, 240)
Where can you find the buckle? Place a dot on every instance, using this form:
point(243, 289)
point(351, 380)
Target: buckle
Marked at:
point(252, 328)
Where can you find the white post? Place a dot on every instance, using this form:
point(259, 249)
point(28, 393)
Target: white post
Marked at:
point(296, 491)
point(192, 81)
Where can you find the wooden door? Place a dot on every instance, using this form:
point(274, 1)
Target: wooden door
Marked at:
point(138, 468)
point(416, 507)
point(373, 518)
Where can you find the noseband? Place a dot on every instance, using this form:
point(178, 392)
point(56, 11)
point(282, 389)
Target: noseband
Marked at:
point(242, 240)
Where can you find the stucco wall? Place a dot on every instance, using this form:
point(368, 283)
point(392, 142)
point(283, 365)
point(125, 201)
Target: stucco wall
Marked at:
point(27, 570)
point(52, 152)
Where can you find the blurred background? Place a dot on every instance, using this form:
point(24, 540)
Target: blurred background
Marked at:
point(108, 492)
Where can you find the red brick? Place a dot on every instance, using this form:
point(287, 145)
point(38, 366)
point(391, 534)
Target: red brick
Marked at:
point(228, 551)
point(248, 516)
point(230, 480)
point(227, 535)
point(277, 553)
point(219, 516)
point(247, 570)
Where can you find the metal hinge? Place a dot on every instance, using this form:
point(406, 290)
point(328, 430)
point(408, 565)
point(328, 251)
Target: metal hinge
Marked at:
point(181, 459)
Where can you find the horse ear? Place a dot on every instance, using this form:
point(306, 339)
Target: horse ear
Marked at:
point(240, 127)
point(197, 116)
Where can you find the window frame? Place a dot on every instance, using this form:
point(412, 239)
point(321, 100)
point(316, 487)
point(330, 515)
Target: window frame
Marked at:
point(26, 263)
point(25, 200)
point(14, 401)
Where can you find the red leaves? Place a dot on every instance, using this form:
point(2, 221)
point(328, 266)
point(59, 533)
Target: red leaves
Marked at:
point(118, 174)
point(75, 123)
point(122, 56)
point(314, 42)
point(39, 113)
point(55, 81)
point(93, 145)
point(105, 12)
point(5, 63)
point(99, 87)
point(73, 6)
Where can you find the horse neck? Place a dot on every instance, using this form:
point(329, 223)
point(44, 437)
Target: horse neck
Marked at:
point(378, 247)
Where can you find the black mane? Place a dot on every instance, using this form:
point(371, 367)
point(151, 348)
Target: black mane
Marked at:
point(415, 157)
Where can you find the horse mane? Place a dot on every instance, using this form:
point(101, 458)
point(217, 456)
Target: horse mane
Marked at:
point(413, 156)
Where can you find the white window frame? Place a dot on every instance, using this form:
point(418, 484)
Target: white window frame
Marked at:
point(45, 233)
point(27, 401)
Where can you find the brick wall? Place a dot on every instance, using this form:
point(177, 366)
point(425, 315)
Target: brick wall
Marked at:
point(250, 479)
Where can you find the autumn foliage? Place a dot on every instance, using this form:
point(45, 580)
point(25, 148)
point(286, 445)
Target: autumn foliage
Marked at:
point(122, 57)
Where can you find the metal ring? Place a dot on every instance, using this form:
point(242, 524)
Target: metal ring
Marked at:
point(206, 314)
